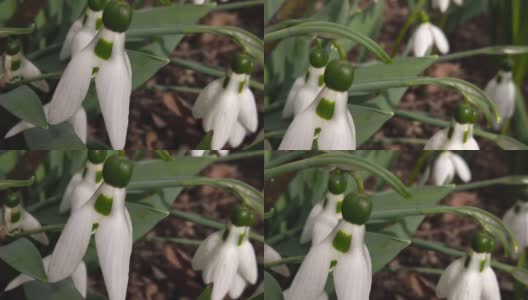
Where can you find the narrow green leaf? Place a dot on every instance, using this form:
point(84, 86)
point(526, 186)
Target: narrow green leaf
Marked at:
point(206, 294)
point(492, 50)
point(57, 137)
point(8, 31)
point(163, 154)
point(7, 184)
point(368, 121)
point(144, 66)
point(24, 257)
point(144, 218)
point(63, 290)
point(25, 104)
point(272, 289)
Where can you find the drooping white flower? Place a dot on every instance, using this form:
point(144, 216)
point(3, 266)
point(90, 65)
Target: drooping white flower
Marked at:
point(443, 5)
point(227, 106)
point(79, 123)
point(17, 219)
point(16, 67)
point(202, 153)
point(322, 219)
point(106, 59)
point(342, 252)
point(84, 183)
point(271, 255)
point(304, 91)
point(106, 214)
point(227, 259)
point(79, 278)
point(83, 30)
point(516, 218)
point(327, 122)
point(460, 135)
point(426, 36)
point(501, 89)
point(447, 165)
point(470, 278)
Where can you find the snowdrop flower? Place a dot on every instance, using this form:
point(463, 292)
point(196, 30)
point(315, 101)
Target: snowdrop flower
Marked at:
point(79, 123)
point(306, 88)
point(326, 121)
point(202, 153)
point(271, 255)
point(447, 165)
point(17, 219)
point(460, 135)
point(85, 183)
point(344, 252)
point(324, 217)
point(227, 106)
point(516, 218)
point(443, 5)
point(227, 258)
point(79, 278)
point(106, 214)
point(471, 277)
point(16, 66)
point(105, 59)
point(501, 89)
point(428, 35)
point(83, 30)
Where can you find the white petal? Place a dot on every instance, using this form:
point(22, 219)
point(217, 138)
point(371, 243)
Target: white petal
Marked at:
point(237, 287)
point(459, 2)
point(247, 267)
point(114, 87)
point(237, 135)
point(18, 281)
point(81, 194)
point(448, 277)
point(221, 119)
point(337, 134)
point(305, 96)
point(206, 98)
point(270, 255)
point(467, 287)
point(471, 145)
point(518, 223)
point(72, 245)
point(222, 271)
point(323, 226)
point(461, 167)
point(18, 128)
point(311, 278)
point(300, 133)
point(72, 87)
point(79, 278)
point(29, 71)
point(443, 169)
point(205, 250)
point(248, 110)
point(114, 247)
point(65, 204)
point(306, 234)
point(67, 44)
point(287, 111)
point(79, 122)
point(81, 40)
point(440, 39)
point(352, 276)
point(505, 99)
point(490, 285)
point(437, 141)
point(422, 40)
point(30, 223)
point(443, 5)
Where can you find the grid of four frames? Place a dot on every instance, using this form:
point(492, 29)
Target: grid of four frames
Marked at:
point(263, 149)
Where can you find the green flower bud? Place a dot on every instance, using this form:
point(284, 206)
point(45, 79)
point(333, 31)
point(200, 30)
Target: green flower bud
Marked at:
point(97, 156)
point(97, 5)
point(339, 75)
point(319, 57)
point(117, 16)
point(483, 242)
point(117, 171)
point(337, 183)
point(242, 64)
point(243, 216)
point(466, 114)
point(356, 208)
point(13, 47)
point(13, 199)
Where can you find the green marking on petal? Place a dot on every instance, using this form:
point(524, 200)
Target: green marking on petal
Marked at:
point(103, 205)
point(466, 136)
point(325, 109)
point(339, 207)
point(466, 261)
point(98, 176)
point(84, 19)
point(306, 76)
point(450, 132)
point(241, 85)
point(333, 263)
point(15, 216)
point(226, 82)
point(482, 265)
point(321, 80)
point(15, 65)
point(95, 70)
point(241, 238)
point(342, 241)
point(225, 234)
point(103, 49)
point(95, 226)
point(99, 24)
point(517, 208)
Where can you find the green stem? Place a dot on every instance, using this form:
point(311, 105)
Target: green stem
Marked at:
point(418, 167)
point(432, 271)
point(55, 75)
point(286, 234)
point(42, 229)
point(359, 182)
point(179, 241)
point(493, 50)
point(396, 140)
point(284, 261)
point(403, 31)
point(8, 31)
point(175, 88)
point(241, 155)
point(340, 50)
point(237, 5)
point(507, 180)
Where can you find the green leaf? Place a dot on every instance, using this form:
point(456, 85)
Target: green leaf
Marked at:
point(163, 154)
point(492, 50)
point(25, 104)
point(144, 218)
point(56, 137)
point(206, 294)
point(64, 290)
point(367, 21)
point(272, 289)
point(270, 7)
point(7, 184)
point(367, 121)
point(8, 31)
point(144, 66)
point(24, 257)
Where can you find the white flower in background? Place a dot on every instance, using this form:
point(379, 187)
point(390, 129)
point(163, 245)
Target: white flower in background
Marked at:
point(202, 153)
point(83, 30)
point(106, 214)
point(84, 183)
point(501, 89)
point(16, 67)
point(306, 88)
point(17, 219)
point(443, 5)
point(79, 123)
point(227, 258)
point(447, 165)
point(79, 278)
point(271, 255)
point(344, 252)
point(227, 106)
point(427, 36)
point(326, 121)
point(516, 218)
point(471, 277)
point(106, 59)
point(460, 135)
